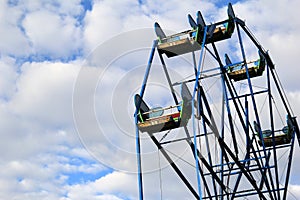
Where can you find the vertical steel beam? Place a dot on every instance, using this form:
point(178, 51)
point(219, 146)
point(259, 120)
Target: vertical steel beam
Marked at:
point(288, 172)
point(277, 196)
point(193, 111)
point(137, 135)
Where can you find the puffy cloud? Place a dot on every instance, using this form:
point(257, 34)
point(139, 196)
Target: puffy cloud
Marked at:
point(8, 77)
point(105, 20)
point(12, 40)
point(118, 19)
point(44, 92)
point(52, 35)
point(41, 29)
point(43, 156)
point(38, 178)
point(294, 192)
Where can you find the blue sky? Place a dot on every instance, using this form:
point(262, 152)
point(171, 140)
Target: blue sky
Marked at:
point(43, 47)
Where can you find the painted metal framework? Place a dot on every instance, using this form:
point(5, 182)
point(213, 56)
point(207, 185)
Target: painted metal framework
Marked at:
point(235, 175)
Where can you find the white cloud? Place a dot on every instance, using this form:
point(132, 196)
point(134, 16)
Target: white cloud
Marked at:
point(104, 186)
point(41, 28)
point(41, 148)
point(294, 192)
point(128, 15)
point(8, 77)
point(44, 93)
point(52, 34)
point(44, 173)
point(105, 20)
point(12, 40)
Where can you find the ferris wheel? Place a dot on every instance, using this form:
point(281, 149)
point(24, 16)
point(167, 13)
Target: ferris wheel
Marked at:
point(233, 112)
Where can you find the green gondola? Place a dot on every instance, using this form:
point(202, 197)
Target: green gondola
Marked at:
point(282, 136)
point(237, 72)
point(191, 40)
point(154, 120)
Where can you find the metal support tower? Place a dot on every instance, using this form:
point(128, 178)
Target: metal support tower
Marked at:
point(246, 158)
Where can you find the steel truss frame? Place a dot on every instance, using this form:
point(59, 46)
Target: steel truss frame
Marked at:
point(211, 178)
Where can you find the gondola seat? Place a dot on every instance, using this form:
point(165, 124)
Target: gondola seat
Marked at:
point(191, 40)
point(284, 137)
point(238, 72)
point(147, 122)
point(179, 43)
point(219, 31)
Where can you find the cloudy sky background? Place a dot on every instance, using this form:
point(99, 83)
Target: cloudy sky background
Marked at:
point(43, 48)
